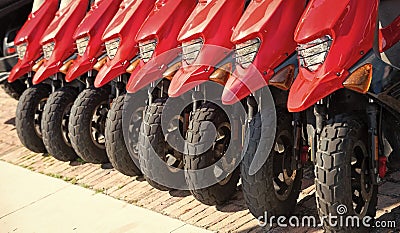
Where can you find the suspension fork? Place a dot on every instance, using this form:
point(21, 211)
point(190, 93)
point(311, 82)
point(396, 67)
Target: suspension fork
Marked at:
point(373, 130)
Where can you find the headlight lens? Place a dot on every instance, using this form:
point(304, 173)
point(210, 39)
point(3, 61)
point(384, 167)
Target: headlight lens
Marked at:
point(21, 50)
point(82, 44)
point(246, 52)
point(112, 47)
point(48, 50)
point(147, 49)
point(313, 54)
point(191, 50)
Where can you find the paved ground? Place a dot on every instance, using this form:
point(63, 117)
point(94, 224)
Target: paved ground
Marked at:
point(231, 217)
point(32, 202)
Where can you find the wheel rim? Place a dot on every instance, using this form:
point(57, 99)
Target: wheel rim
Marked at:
point(174, 158)
point(284, 174)
point(220, 147)
point(38, 113)
point(98, 124)
point(64, 124)
point(134, 130)
point(361, 180)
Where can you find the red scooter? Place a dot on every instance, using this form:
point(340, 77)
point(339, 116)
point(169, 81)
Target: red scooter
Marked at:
point(354, 96)
point(28, 46)
point(158, 44)
point(108, 91)
point(35, 121)
point(271, 169)
point(207, 56)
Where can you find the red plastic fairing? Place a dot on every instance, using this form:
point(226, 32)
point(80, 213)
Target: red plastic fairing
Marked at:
point(273, 22)
point(92, 26)
point(389, 35)
point(31, 33)
point(125, 25)
point(163, 24)
point(352, 27)
point(61, 31)
point(208, 21)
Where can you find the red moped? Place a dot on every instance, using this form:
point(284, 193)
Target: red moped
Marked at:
point(354, 96)
point(271, 169)
point(44, 128)
point(158, 44)
point(27, 43)
point(208, 56)
point(109, 91)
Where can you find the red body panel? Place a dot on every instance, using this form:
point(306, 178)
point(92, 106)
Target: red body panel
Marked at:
point(125, 25)
point(352, 29)
point(163, 24)
point(93, 25)
point(208, 21)
point(273, 22)
point(31, 33)
point(61, 31)
point(389, 35)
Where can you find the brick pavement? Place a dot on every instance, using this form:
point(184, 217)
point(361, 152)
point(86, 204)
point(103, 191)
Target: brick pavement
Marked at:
point(231, 217)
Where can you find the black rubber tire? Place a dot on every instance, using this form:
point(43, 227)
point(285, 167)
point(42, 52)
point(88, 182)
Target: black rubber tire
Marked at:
point(58, 105)
point(80, 123)
point(333, 169)
point(218, 193)
point(25, 117)
point(14, 89)
point(258, 189)
point(152, 130)
point(116, 149)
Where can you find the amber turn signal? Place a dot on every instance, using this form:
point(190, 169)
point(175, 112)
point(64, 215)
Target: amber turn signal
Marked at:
point(360, 80)
point(132, 66)
point(38, 64)
point(171, 71)
point(284, 78)
point(222, 74)
point(64, 69)
point(100, 63)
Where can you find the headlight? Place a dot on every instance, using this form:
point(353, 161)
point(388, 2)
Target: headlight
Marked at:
point(147, 49)
point(21, 50)
point(112, 47)
point(81, 45)
point(246, 52)
point(191, 50)
point(48, 50)
point(313, 54)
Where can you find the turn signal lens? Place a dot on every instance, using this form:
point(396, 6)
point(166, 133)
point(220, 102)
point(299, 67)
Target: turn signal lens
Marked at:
point(100, 64)
point(132, 66)
point(38, 64)
point(284, 78)
point(222, 74)
point(360, 80)
point(64, 69)
point(171, 71)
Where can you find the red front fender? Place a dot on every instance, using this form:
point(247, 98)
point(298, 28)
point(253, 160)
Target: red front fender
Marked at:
point(80, 66)
point(144, 74)
point(307, 90)
point(187, 78)
point(243, 82)
point(45, 71)
point(22, 67)
point(112, 69)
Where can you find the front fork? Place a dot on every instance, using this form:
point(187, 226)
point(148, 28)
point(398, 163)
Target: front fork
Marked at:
point(377, 162)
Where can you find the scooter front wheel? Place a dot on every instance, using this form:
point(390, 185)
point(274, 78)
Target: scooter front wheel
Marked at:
point(29, 115)
point(55, 124)
point(115, 144)
point(344, 183)
point(275, 187)
point(219, 192)
point(87, 124)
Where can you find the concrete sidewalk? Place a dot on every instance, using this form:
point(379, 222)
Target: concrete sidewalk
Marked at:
point(32, 202)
